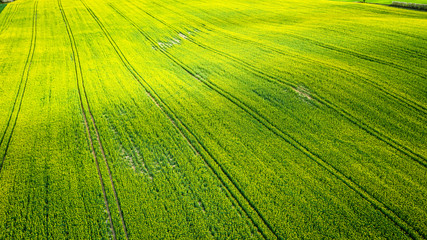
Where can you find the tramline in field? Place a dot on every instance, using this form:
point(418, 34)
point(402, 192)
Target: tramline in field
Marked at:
point(200, 119)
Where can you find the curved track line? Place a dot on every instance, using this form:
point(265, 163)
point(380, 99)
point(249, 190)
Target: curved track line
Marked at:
point(343, 113)
point(407, 228)
point(397, 96)
point(359, 55)
point(8, 18)
point(404, 100)
point(176, 122)
point(109, 173)
point(22, 85)
point(17, 94)
point(354, 120)
point(79, 78)
point(21, 81)
point(333, 47)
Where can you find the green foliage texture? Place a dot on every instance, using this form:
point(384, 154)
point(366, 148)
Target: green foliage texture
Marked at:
point(2, 6)
point(236, 119)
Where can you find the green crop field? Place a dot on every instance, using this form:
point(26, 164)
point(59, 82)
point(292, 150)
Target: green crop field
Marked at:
point(204, 119)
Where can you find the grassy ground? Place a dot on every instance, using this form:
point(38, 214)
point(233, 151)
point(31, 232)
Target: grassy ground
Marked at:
point(220, 120)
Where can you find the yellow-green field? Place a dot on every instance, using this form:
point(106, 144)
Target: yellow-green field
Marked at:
point(235, 119)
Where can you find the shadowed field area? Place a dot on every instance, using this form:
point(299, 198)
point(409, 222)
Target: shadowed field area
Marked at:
point(2, 6)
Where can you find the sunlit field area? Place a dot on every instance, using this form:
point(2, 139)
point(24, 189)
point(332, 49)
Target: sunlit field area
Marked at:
point(235, 119)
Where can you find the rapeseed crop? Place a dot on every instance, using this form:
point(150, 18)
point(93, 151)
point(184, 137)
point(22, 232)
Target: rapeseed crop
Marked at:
point(218, 120)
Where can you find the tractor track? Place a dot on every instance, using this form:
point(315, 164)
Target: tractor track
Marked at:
point(8, 18)
point(404, 100)
point(359, 55)
point(21, 90)
point(204, 154)
point(19, 86)
point(343, 113)
point(333, 48)
point(384, 209)
point(80, 81)
point(411, 52)
point(200, 149)
point(4, 26)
